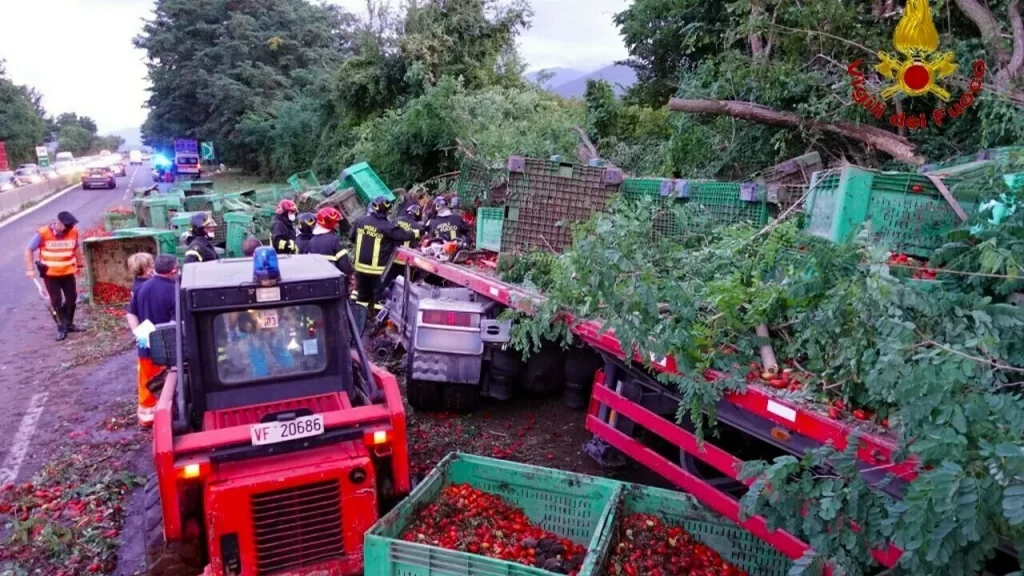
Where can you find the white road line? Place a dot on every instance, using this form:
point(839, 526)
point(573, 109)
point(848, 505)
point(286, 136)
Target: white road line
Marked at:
point(23, 439)
point(128, 190)
point(40, 205)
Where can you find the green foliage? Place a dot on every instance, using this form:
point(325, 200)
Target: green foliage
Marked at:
point(22, 123)
point(214, 63)
point(417, 141)
point(944, 366)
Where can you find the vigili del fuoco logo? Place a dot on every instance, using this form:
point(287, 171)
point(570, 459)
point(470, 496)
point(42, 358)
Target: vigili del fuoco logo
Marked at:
point(918, 70)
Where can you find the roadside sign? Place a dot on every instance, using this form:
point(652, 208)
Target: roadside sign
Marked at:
point(3, 158)
point(44, 156)
point(207, 151)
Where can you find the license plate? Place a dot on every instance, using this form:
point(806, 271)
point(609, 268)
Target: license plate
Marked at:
point(274, 432)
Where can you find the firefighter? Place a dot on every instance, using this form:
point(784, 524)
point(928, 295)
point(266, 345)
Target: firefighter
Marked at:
point(410, 222)
point(446, 225)
point(60, 257)
point(200, 239)
point(326, 241)
point(306, 223)
point(282, 229)
point(375, 239)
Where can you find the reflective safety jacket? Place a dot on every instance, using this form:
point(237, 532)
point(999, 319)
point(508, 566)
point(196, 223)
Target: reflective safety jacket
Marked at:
point(200, 249)
point(375, 239)
point(58, 254)
point(282, 235)
point(328, 244)
point(447, 227)
point(405, 222)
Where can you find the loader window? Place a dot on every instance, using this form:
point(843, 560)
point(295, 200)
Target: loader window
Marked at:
point(267, 343)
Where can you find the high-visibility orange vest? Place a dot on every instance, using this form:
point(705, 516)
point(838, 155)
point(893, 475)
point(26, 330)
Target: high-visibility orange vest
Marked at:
point(58, 254)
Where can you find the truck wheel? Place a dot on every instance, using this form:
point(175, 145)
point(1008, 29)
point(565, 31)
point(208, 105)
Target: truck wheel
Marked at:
point(545, 371)
point(507, 363)
point(460, 398)
point(163, 558)
point(423, 395)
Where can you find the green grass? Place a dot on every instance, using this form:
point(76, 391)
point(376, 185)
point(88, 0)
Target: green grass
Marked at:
point(233, 181)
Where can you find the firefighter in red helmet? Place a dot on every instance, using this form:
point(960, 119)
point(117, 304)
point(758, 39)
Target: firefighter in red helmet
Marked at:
point(326, 241)
point(282, 229)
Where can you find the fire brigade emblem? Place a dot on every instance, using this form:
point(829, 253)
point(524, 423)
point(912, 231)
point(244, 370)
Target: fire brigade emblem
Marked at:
point(921, 65)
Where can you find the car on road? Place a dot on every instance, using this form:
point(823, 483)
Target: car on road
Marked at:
point(98, 176)
point(29, 173)
point(8, 181)
point(135, 157)
point(116, 165)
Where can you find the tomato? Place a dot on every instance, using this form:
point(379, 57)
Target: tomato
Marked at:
point(777, 383)
point(835, 413)
point(860, 415)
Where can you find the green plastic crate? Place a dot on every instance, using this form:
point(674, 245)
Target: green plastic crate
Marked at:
point(116, 221)
point(489, 224)
point(366, 182)
point(734, 544)
point(571, 505)
point(239, 225)
point(201, 185)
point(167, 240)
point(301, 181)
point(106, 259)
point(905, 210)
point(202, 203)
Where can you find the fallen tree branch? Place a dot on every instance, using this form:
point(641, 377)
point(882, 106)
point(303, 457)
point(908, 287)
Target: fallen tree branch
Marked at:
point(892, 144)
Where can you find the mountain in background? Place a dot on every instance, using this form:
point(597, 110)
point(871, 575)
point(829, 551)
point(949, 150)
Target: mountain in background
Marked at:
point(572, 83)
point(560, 76)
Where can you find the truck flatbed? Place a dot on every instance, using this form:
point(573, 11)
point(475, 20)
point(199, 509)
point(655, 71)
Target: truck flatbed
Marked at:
point(877, 450)
point(790, 425)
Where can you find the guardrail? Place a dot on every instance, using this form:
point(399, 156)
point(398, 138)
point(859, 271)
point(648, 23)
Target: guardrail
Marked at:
point(12, 200)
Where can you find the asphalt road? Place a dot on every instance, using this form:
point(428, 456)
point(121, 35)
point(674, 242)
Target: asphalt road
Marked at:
point(28, 352)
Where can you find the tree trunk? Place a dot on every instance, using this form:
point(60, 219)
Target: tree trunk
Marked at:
point(892, 144)
point(989, 28)
point(756, 13)
point(1006, 76)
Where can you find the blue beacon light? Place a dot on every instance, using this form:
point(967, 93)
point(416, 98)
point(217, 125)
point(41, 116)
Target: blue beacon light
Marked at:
point(265, 270)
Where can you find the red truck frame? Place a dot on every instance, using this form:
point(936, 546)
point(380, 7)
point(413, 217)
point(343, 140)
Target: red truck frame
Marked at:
point(757, 412)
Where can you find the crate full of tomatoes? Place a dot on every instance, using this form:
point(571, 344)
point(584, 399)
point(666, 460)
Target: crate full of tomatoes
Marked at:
point(475, 515)
point(481, 516)
point(659, 532)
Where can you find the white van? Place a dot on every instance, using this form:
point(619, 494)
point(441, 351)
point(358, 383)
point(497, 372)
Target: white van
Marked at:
point(135, 157)
point(64, 163)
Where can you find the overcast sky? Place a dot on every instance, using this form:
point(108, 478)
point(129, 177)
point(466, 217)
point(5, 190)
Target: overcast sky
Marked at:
point(79, 54)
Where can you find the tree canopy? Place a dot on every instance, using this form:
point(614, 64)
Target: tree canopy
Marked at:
point(22, 120)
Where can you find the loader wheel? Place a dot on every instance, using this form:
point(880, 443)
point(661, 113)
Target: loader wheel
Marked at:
point(163, 558)
point(460, 398)
point(423, 395)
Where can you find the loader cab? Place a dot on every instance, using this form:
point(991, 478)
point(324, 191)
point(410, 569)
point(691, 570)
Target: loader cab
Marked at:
point(268, 341)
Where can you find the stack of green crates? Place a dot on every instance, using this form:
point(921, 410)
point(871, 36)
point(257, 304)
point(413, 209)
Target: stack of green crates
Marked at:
point(239, 225)
point(116, 221)
point(906, 212)
point(584, 509)
point(489, 224)
point(167, 240)
point(303, 181)
point(366, 182)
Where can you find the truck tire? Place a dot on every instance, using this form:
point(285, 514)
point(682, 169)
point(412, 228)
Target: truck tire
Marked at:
point(423, 395)
point(163, 558)
point(507, 363)
point(545, 371)
point(460, 398)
